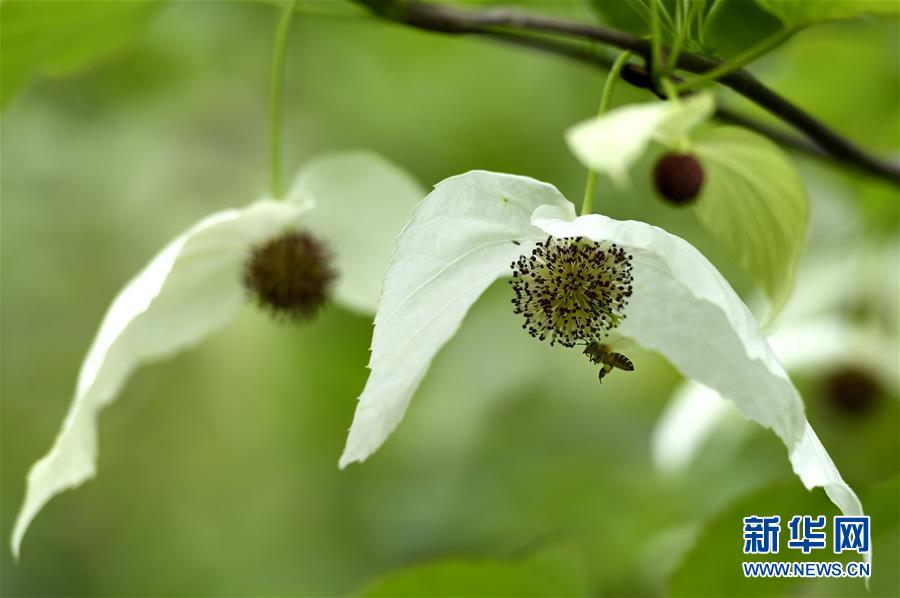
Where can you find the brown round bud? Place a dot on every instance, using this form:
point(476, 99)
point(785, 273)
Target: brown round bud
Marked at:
point(678, 178)
point(290, 275)
point(851, 390)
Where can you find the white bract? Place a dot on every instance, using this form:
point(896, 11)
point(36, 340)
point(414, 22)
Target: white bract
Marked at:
point(468, 231)
point(813, 336)
point(610, 143)
point(194, 287)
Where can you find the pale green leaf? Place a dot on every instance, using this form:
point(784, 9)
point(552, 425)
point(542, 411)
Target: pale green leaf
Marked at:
point(800, 13)
point(59, 37)
point(754, 202)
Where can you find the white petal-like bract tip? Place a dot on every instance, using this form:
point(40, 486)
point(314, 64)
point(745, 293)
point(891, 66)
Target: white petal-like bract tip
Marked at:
point(190, 289)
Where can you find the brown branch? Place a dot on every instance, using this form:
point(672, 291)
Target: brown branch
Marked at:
point(517, 27)
point(639, 78)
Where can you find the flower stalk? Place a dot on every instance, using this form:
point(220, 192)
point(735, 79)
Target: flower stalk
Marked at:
point(590, 186)
point(276, 100)
point(655, 42)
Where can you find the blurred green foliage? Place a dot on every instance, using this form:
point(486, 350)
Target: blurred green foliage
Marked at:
point(809, 12)
point(60, 37)
point(551, 572)
point(217, 472)
point(695, 577)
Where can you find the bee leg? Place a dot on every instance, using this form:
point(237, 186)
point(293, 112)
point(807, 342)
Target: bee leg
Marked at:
point(601, 374)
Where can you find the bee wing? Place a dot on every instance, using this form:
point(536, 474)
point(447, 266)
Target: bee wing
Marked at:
point(620, 344)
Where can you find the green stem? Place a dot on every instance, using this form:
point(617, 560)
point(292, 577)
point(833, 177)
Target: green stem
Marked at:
point(655, 42)
point(674, 51)
point(748, 56)
point(590, 186)
point(643, 12)
point(685, 22)
point(670, 91)
point(682, 144)
point(666, 17)
point(276, 99)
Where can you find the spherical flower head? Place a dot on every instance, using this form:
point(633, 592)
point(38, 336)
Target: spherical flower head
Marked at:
point(290, 275)
point(571, 290)
point(678, 178)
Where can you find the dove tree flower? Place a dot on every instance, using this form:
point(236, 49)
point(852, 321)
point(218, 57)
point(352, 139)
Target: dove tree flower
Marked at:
point(626, 278)
point(288, 255)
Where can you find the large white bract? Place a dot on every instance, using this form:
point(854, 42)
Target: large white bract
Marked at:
point(468, 231)
point(813, 336)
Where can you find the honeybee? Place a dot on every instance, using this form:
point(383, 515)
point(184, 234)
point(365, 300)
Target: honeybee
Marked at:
point(607, 359)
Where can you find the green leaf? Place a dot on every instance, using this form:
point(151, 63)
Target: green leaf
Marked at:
point(60, 37)
point(558, 571)
point(754, 202)
point(800, 13)
point(732, 27)
point(630, 16)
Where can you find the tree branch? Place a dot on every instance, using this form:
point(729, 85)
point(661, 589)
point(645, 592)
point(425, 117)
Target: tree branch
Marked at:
point(517, 27)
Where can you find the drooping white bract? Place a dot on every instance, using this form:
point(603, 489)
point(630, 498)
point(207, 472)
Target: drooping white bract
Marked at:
point(610, 143)
point(812, 336)
point(464, 236)
point(194, 287)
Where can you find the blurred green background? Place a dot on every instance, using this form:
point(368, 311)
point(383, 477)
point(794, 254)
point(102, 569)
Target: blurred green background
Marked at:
point(514, 471)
